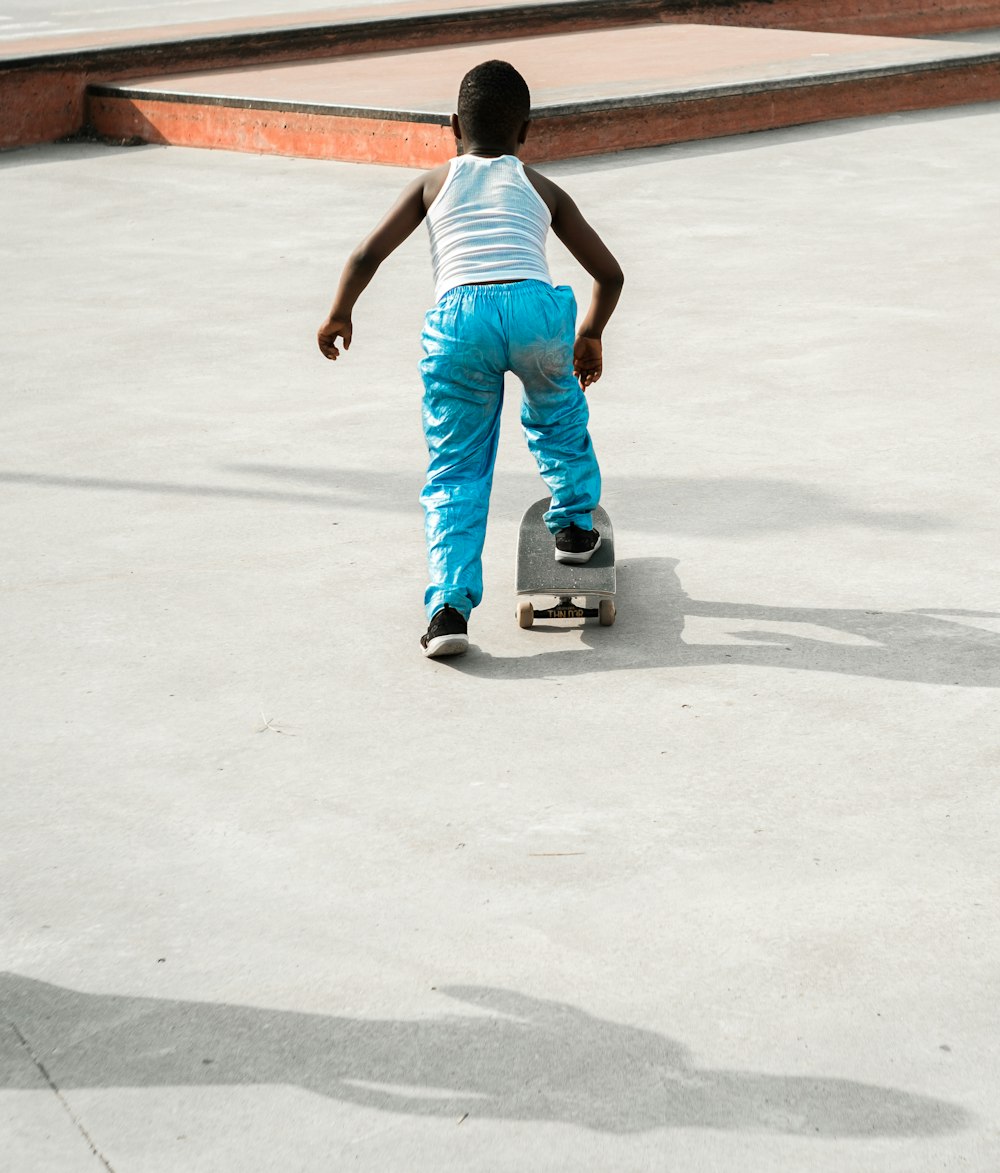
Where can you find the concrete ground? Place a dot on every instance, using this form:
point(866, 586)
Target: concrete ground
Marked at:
point(52, 25)
point(27, 19)
point(563, 69)
point(713, 889)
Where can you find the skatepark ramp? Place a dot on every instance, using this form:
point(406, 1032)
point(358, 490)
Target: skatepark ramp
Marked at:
point(378, 85)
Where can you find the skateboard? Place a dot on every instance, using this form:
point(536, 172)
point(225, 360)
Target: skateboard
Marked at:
point(577, 591)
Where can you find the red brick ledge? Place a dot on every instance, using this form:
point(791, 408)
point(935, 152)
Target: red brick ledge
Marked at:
point(586, 128)
point(184, 47)
point(42, 96)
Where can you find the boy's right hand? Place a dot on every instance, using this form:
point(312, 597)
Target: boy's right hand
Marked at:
point(588, 361)
point(332, 329)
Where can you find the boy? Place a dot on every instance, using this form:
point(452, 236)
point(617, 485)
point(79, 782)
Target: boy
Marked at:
point(496, 311)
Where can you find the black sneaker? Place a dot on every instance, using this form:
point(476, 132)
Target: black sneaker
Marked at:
point(447, 634)
point(576, 545)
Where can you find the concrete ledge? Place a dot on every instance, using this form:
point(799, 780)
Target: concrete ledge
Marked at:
point(267, 129)
point(50, 107)
point(741, 110)
point(420, 140)
point(396, 25)
point(40, 105)
point(643, 87)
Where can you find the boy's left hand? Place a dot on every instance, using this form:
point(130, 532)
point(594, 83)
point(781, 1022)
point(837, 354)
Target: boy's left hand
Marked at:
point(332, 329)
point(588, 360)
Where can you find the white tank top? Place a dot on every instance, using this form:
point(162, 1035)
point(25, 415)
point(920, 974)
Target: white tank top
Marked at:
point(487, 223)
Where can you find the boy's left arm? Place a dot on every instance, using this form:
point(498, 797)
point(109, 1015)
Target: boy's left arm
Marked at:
point(398, 223)
point(593, 254)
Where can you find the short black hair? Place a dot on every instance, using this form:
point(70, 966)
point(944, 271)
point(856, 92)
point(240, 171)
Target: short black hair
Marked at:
point(493, 102)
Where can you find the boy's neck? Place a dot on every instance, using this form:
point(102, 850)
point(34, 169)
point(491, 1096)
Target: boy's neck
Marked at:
point(469, 145)
point(482, 151)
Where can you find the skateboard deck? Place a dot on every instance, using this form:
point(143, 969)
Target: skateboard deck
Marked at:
point(571, 590)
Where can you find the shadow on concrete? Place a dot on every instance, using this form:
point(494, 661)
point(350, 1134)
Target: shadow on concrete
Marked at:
point(709, 506)
point(658, 624)
point(70, 150)
point(520, 1059)
point(658, 627)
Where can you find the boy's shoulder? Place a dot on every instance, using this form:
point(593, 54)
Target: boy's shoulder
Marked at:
point(549, 191)
point(432, 181)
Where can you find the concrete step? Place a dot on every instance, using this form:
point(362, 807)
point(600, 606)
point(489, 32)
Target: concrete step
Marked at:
point(43, 79)
point(388, 24)
point(593, 92)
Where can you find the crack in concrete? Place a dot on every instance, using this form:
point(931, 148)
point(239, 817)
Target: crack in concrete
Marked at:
point(78, 1123)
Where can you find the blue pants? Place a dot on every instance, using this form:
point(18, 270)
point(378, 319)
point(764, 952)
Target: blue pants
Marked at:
point(471, 337)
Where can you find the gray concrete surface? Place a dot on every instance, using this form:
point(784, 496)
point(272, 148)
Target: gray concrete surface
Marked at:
point(713, 889)
point(28, 19)
point(565, 70)
point(34, 18)
point(25, 23)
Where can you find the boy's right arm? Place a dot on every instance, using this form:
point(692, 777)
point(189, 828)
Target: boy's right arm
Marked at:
point(398, 223)
point(594, 255)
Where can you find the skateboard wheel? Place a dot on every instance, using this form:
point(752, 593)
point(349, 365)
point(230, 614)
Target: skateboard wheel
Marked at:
point(525, 613)
point(606, 612)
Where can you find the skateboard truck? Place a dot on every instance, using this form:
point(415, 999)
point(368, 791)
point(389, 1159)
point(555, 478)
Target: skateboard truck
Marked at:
point(566, 609)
